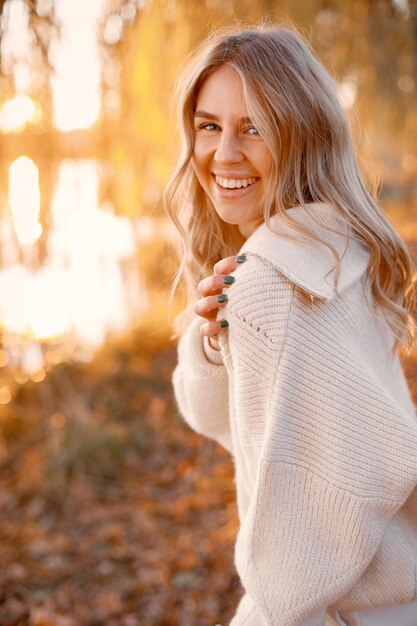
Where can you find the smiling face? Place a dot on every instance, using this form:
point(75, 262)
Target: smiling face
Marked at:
point(230, 159)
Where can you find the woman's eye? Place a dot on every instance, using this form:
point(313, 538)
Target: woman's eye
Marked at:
point(252, 131)
point(209, 126)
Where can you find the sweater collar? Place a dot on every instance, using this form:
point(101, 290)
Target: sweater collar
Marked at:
point(311, 266)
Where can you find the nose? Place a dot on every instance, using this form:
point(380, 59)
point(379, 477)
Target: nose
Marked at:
point(228, 149)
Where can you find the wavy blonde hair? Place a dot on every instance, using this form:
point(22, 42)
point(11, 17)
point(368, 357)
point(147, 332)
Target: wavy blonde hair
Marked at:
point(293, 102)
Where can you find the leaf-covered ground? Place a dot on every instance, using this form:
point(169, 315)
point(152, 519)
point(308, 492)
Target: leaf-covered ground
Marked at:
point(113, 512)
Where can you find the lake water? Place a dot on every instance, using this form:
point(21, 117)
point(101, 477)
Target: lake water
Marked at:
point(88, 285)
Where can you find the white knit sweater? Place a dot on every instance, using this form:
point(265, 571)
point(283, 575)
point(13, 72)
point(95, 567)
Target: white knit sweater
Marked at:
point(322, 431)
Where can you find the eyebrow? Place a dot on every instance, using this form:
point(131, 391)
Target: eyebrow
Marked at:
point(210, 116)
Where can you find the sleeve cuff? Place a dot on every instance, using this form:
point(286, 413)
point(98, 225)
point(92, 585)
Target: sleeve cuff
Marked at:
point(213, 355)
point(195, 351)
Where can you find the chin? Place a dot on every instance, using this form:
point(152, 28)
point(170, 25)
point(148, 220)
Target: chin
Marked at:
point(229, 219)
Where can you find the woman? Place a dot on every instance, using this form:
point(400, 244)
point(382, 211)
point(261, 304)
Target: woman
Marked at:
point(289, 348)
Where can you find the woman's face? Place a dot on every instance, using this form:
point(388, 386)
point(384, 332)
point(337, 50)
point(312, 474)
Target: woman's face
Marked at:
point(230, 159)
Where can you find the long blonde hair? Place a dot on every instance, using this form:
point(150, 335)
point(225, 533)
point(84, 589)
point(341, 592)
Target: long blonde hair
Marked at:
point(293, 102)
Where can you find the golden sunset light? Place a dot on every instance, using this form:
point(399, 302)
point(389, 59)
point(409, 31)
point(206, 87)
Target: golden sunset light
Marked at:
point(17, 112)
point(124, 421)
point(88, 287)
point(77, 66)
point(24, 199)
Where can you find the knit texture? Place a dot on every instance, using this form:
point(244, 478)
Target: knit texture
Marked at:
point(322, 430)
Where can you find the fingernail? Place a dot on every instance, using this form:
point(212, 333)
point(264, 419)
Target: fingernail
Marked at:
point(241, 258)
point(229, 280)
point(222, 298)
point(224, 324)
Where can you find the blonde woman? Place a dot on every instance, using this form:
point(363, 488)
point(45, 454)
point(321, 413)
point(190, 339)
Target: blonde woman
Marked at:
point(299, 294)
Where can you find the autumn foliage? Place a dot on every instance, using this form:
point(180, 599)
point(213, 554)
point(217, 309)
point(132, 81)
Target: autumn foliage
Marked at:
point(113, 511)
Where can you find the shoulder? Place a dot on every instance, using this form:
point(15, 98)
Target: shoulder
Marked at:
point(258, 311)
point(260, 290)
point(269, 313)
point(311, 263)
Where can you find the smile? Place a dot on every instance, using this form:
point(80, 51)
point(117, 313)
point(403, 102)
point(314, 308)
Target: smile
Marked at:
point(234, 183)
point(236, 187)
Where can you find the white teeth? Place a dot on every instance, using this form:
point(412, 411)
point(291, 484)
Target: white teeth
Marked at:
point(231, 183)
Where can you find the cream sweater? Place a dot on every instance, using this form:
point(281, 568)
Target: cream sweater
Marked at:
point(321, 428)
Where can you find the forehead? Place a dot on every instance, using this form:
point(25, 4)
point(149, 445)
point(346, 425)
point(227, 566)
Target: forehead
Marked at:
point(221, 92)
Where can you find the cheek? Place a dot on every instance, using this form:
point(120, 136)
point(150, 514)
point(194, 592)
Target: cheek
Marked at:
point(265, 162)
point(199, 155)
point(199, 162)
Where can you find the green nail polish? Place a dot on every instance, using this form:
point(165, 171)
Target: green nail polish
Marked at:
point(222, 298)
point(224, 324)
point(241, 258)
point(229, 280)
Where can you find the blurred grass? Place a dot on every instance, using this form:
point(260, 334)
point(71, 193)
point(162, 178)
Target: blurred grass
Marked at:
point(117, 513)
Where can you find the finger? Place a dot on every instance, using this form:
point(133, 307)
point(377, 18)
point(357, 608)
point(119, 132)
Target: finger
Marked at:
point(212, 328)
point(215, 283)
point(208, 306)
point(226, 265)
point(212, 284)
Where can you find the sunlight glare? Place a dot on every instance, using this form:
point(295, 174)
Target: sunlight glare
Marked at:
point(88, 244)
point(16, 43)
point(17, 112)
point(347, 92)
point(88, 286)
point(32, 360)
point(76, 60)
point(24, 199)
point(113, 29)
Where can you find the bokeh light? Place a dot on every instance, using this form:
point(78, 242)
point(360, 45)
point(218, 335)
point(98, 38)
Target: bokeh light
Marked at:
point(24, 199)
point(17, 112)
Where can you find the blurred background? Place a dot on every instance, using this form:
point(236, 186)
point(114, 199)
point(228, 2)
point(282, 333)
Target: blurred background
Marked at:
point(112, 511)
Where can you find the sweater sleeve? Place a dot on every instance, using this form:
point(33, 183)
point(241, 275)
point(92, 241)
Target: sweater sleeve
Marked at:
point(200, 383)
point(324, 453)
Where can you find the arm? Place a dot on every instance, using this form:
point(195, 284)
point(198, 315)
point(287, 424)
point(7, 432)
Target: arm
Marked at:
point(324, 451)
point(200, 383)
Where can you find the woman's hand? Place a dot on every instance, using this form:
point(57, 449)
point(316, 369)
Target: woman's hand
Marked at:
point(211, 289)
